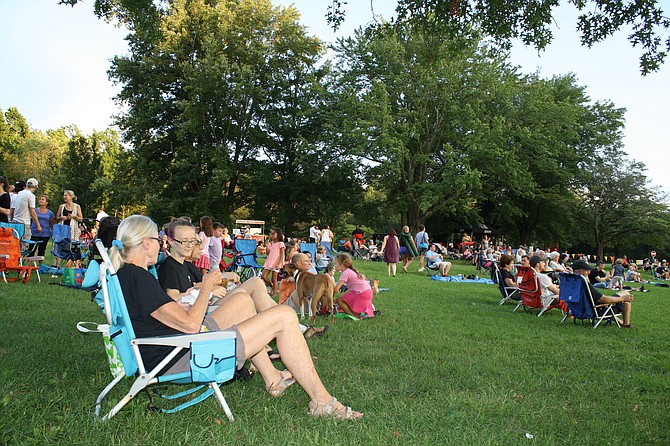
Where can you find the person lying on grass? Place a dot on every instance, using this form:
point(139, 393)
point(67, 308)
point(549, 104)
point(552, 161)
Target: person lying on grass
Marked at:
point(622, 299)
point(357, 301)
point(154, 313)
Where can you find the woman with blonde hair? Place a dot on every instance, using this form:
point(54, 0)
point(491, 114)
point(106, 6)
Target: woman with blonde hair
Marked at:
point(69, 213)
point(154, 313)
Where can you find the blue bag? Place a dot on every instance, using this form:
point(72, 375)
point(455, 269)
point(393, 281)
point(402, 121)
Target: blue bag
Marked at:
point(213, 360)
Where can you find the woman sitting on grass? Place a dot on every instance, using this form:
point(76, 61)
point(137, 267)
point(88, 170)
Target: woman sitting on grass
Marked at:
point(357, 301)
point(154, 313)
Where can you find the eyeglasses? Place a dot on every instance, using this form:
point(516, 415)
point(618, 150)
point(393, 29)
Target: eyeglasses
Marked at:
point(194, 242)
point(155, 238)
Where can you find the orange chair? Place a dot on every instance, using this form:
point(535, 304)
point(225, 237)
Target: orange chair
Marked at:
point(10, 258)
point(531, 292)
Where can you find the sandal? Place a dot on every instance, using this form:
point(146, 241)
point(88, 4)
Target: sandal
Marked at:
point(330, 409)
point(286, 381)
point(274, 355)
point(314, 331)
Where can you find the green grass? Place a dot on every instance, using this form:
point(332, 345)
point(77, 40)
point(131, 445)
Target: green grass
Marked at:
point(443, 364)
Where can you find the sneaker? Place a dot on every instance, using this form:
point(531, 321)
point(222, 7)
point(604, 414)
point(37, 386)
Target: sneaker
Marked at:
point(420, 269)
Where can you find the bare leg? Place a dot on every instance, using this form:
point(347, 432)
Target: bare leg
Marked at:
point(408, 262)
point(444, 268)
point(266, 277)
point(393, 268)
point(258, 292)
point(274, 282)
point(388, 269)
point(280, 322)
point(347, 309)
point(421, 260)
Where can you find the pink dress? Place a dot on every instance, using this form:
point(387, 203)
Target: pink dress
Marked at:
point(275, 259)
point(359, 294)
point(203, 262)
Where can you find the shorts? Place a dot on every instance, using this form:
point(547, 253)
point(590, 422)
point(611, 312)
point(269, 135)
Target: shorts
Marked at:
point(404, 252)
point(422, 251)
point(183, 364)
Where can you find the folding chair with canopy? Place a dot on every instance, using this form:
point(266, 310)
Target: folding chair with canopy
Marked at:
point(10, 257)
point(575, 292)
point(528, 282)
point(216, 367)
point(247, 266)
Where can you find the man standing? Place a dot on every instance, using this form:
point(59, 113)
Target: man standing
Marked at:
point(421, 241)
point(24, 208)
point(314, 234)
point(357, 236)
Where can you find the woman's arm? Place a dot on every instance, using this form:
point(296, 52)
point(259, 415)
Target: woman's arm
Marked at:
point(188, 321)
point(384, 243)
point(338, 286)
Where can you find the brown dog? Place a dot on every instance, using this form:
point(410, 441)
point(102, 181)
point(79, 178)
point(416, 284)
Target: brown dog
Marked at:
point(312, 289)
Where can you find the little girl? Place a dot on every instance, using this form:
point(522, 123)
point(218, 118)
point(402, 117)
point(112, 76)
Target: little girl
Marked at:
point(357, 301)
point(322, 260)
point(204, 235)
point(275, 259)
point(216, 246)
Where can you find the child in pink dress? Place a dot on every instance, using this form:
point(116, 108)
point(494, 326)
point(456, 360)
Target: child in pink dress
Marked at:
point(357, 301)
point(275, 259)
point(205, 234)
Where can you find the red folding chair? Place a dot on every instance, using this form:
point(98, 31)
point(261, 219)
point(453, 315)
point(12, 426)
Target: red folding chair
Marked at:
point(528, 282)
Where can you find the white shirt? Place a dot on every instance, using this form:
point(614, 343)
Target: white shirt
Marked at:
point(24, 201)
point(325, 236)
point(101, 215)
point(314, 233)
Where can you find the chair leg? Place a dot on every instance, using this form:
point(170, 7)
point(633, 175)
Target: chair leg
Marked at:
point(517, 306)
point(222, 401)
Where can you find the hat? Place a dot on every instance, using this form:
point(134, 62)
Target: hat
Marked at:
point(535, 260)
point(580, 264)
point(32, 182)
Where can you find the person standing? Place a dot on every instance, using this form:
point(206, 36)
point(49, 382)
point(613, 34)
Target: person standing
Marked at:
point(46, 219)
point(24, 208)
point(422, 244)
point(69, 214)
point(357, 237)
point(390, 248)
point(327, 238)
point(407, 248)
point(5, 200)
point(314, 234)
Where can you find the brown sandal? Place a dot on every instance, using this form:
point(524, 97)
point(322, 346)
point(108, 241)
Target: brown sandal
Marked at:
point(278, 388)
point(330, 409)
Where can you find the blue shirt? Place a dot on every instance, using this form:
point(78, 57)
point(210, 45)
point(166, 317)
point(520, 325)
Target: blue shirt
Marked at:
point(45, 223)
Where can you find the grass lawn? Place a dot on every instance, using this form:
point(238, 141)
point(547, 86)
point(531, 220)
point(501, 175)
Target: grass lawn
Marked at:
point(443, 364)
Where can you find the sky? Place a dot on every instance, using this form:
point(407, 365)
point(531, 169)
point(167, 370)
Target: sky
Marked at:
point(55, 60)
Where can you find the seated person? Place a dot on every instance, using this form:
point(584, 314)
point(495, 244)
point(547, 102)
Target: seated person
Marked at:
point(154, 313)
point(622, 299)
point(508, 280)
point(549, 289)
point(525, 260)
point(357, 301)
point(661, 271)
point(554, 263)
point(632, 275)
point(312, 265)
point(322, 259)
point(598, 277)
point(435, 261)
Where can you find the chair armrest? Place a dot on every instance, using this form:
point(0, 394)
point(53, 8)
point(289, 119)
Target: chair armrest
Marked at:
point(4, 256)
point(185, 339)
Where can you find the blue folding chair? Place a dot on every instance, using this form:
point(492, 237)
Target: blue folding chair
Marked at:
point(575, 292)
point(213, 353)
point(64, 248)
point(247, 266)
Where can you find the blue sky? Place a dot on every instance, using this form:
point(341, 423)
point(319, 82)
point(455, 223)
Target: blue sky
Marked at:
point(55, 60)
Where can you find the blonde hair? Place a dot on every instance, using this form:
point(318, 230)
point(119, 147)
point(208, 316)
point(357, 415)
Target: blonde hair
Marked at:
point(132, 231)
point(70, 193)
point(405, 228)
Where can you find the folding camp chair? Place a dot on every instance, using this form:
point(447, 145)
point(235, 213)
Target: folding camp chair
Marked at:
point(575, 292)
point(507, 292)
point(10, 257)
point(64, 249)
point(531, 292)
point(218, 361)
point(247, 266)
point(26, 254)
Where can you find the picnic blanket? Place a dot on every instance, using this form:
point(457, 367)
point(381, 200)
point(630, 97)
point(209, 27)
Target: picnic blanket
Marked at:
point(459, 279)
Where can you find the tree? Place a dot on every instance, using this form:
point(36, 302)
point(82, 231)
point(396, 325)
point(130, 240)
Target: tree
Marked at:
point(531, 21)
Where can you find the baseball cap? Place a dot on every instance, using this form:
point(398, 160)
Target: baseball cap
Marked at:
point(535, 260)
point(580, 264)
point(32, 182)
